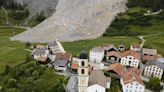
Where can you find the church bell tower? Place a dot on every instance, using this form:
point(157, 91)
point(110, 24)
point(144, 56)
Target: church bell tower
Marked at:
point(83, 75)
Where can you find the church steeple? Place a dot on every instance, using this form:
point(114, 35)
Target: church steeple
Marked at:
point(83, 74)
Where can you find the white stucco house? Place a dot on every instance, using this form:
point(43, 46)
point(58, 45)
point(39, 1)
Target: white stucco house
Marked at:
point(96, 55)
point(56, 47)
point(99, 83)
point(40, 52)
point(130, 58)
point(154, 69)
point(131, 82)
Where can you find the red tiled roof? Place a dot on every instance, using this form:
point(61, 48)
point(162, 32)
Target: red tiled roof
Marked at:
point(145, 57)
point(118, 68)
point(63, 56)
point(136, 45)
point(132, 53)
point(131, 76)
point(114, 53)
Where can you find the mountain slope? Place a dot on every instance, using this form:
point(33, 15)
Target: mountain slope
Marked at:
point(75, 20)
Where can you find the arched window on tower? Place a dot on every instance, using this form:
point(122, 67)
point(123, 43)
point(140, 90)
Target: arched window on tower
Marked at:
point(82, 63)
point(82, 71)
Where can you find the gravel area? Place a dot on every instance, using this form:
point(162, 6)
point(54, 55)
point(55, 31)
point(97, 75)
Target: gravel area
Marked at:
point(75, 20)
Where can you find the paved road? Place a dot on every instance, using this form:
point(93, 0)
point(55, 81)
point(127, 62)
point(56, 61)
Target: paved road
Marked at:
point(27, 28)
point(72, 84)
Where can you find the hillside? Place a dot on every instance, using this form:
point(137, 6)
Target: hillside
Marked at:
point(75, 20)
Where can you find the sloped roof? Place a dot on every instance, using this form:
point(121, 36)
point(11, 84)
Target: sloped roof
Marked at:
point(98, 77)
point(97, 49)
point(118, 68)
point(155, 62)
point(135, 45)
point(60, 63)
point(62, 56)
point(132, 76)
point(108, 46)
point(39, 51)
point(114, 53)
point(132, 53)
point(145, 57)
point(149, 51)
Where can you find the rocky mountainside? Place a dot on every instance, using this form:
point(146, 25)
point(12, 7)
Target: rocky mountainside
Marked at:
point(75, 20)
point(39, 6)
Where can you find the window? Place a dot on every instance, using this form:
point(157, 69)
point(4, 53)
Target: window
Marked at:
point(83, 63)
point(82, 71)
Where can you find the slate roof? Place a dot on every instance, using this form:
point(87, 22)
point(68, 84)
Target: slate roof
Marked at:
point(51, 44)
point(39, 51)
point(97, 49)
point(155, 62)
point(61, 63)
point(98, 77)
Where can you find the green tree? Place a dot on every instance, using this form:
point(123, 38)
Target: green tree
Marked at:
point(154, 84)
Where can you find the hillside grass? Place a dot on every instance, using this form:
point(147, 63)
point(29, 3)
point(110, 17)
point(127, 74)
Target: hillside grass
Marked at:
point(12, 52)
point(76, 47)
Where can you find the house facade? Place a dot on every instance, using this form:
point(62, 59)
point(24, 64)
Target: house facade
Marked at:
point(56, 47)
point(154, 69)
point(39, 52)
point(96, 55)
point(130, 58)
point(131, 81)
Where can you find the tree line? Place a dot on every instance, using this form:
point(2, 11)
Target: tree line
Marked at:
point(154, 5)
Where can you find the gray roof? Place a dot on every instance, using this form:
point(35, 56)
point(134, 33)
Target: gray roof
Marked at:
point(60, 63)
point(50, 44)
point(97, 49)
point(98, 77)
point(39, 51)
point(155, 62)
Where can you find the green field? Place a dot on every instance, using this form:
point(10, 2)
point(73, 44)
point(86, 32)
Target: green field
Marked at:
point(76, 47)
point(12, 52)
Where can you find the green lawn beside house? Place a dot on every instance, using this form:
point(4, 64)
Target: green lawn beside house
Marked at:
point(76, 47)
point(12, 52)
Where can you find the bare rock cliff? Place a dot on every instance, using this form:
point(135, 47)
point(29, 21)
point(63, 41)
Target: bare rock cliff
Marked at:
point(75, 20)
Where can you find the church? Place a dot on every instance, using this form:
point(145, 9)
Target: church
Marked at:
point(94, 81)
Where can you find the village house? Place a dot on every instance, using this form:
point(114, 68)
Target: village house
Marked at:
point(96, 55)
point(74, 65)
point(61, 61)
point(135, 47)
point(130, 58)
point(56, 47)
point(113, 57)
point(131, 81)
point(154, 69)
point(109, 48)
point(149, 52)
point(99, 83)
point(40, 53)
point(90, 83)
point(121, 47)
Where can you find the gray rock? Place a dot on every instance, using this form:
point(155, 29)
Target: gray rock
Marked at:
point(75, 20)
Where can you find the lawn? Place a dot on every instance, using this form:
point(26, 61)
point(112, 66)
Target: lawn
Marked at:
point(12, 52)
point(76, 47)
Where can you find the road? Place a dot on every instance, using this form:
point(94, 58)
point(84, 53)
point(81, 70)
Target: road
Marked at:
point(27, 28)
